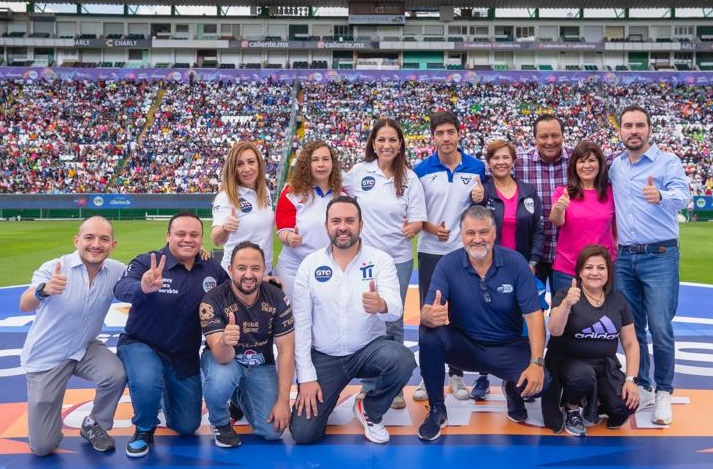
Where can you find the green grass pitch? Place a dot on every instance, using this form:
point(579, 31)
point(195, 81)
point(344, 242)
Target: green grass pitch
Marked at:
point(27, 244)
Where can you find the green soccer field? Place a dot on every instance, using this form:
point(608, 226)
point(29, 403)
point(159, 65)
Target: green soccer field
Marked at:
point(26, 245)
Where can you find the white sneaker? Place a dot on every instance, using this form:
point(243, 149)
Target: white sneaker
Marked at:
point(420, 393)
point(399, 402)
point(646, 399)
point(374, 432)
point(662, 409)
point(458, 388)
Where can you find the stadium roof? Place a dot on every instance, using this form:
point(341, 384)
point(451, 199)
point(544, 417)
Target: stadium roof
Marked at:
point(427, 4)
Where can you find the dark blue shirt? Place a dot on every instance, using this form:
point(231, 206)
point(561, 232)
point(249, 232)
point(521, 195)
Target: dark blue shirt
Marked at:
point(490, 310)
point(167, 320)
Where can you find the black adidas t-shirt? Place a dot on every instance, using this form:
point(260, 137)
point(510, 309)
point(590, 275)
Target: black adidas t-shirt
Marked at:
point(591, 331)
point(270, 316)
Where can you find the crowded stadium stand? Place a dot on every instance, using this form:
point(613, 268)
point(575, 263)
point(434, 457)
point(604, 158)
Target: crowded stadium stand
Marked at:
point(149, 103)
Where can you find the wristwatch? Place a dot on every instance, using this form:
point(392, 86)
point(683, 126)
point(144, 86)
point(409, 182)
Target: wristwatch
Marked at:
point(39, 293)
point(538, 361)
point(631, 379)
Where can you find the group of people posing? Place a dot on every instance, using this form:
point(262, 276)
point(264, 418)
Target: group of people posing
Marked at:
point(605, 237)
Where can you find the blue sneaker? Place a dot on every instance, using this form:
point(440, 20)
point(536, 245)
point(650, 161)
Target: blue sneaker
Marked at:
point(436, 419)
point(139, 445)
point(481, 388)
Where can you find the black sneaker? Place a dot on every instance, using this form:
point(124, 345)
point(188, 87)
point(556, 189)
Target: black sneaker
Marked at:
point(436, 419)
point(573, 423)
point(139, 445)
point(96, 435)
point(236, 413)
point(516, 405)
point(225, 436)
point(616, 421)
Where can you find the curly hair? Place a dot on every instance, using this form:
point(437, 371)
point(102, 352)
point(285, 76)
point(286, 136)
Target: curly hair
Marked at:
point(301, 178)
point(399, 163)
point(230, 179)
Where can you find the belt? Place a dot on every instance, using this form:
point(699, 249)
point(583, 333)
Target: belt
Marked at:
point(653, 248)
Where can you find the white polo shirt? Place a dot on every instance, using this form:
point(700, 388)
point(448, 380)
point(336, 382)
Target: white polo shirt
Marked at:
point(308, 214)
point(327, 305)
point(383, 211)
point(447, 195)
point(255, 223)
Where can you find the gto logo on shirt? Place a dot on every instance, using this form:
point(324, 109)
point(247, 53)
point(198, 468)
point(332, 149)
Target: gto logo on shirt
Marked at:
point(368, 183)
point(323, 273)
point(245, 206)
point(209, 283)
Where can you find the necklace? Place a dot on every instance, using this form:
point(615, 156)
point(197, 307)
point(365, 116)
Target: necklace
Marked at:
point(596, 301)
point(507, 188)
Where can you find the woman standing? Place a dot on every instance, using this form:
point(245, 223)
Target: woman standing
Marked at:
point(517, 210)
point(393, 206)
point(242, 210)
point(302, 206)
point(583, 211)
point(516, 207)
point(586, 325)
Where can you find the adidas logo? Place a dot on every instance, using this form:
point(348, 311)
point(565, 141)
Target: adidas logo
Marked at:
point(603, 329)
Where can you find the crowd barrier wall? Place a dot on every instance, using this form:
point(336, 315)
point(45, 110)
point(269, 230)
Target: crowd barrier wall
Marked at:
point(114, 206)
point(158, 206)
point(692, 78)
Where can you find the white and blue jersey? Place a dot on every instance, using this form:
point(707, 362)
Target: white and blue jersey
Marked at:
point(447, 195)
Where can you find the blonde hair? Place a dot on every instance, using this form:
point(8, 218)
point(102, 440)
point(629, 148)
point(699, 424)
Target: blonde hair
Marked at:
point(230, 180)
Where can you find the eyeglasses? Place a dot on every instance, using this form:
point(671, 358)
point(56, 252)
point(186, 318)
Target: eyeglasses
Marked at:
point(484, 289)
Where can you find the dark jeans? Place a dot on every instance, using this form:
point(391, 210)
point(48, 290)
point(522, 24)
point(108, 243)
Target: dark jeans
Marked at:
point(388, 362)
point(446, 344)
point(544, 272)
point(426, 266)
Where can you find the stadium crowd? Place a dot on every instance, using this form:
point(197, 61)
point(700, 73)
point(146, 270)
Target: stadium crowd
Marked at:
point(683, 116)
point(195, 125)
point(171, 137)
point(68, 137)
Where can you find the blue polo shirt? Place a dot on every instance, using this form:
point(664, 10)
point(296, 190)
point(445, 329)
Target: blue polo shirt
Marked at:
point(489, 311)
point(167, 320)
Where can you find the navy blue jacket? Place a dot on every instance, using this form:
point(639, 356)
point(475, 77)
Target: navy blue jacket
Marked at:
point(530, 228)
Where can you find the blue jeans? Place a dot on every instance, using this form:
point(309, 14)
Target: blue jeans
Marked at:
point(390, 363)
point(649, 282)
point(560, 281)
point(256, 393)
point(445, 344)
point(152, 378)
